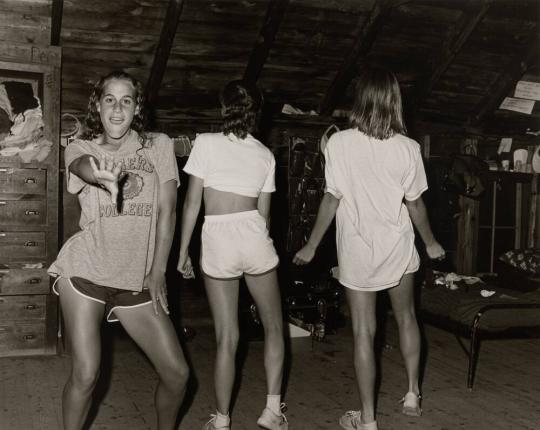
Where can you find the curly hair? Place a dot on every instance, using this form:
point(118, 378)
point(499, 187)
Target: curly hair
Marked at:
point(93, 124)
point(241, 102)
point(377, 110)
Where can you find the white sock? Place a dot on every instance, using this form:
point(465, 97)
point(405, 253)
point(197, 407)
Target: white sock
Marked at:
point(273, 402)
point(222, 420)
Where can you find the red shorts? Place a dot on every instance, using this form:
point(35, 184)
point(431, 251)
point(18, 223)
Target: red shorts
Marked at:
point(111, 298)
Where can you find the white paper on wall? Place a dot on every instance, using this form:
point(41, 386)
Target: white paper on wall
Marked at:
point(505, 145)
point(517, 105)
point(527, 90)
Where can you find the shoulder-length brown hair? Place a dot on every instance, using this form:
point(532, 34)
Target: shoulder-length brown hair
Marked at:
point(93, 124)
point(377, 110)
point(241, 102)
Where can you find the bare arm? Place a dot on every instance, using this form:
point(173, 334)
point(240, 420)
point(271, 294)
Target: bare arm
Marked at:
point(190, 212)
point(418, 213)
point(325, 215)
point(166, 219)
point(263, 206)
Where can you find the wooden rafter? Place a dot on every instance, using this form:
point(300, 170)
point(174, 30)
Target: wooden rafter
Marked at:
point(161, 56)
point(366, 36)
point(469, 20)
point(272, 21)
point(507, 80)
point(56, 21)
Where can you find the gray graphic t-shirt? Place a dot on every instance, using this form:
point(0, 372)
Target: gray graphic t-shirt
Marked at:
point(115, 246)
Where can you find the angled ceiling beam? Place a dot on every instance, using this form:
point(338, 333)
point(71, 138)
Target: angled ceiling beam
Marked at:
point(272, 21)
point(56, 21)
point(161, 56)
point(364, 40)
point(468, 21)
point(508, 79)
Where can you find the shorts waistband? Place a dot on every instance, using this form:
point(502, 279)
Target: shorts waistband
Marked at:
point(232, 216)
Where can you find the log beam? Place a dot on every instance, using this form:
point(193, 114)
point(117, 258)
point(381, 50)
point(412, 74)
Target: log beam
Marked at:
point(56, 21)
point(272, 21)
point(161, 56)
point(507, 80)
point(362, 44)
point(468, 21)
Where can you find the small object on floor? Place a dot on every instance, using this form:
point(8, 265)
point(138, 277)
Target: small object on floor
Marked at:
point(187, 333)
point(271, 421)
point(350, 420)
point(218, 422)
point(411, 404)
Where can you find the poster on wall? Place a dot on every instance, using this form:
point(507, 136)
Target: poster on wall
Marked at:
point(527, 90)
point(517, 105)
point(22, 129)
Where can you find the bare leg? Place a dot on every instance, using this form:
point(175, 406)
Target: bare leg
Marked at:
point(156, 336)
point(265, 292)
point(223, 299)
point(362, 308)
point(402, 298)
point(82, 318)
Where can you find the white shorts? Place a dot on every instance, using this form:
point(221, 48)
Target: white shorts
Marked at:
point(236, 244)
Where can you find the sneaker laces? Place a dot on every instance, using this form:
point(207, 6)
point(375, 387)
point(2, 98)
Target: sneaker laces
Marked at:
point(283, 408)
point(418, 397)
point(353, 414)
point(213, 418)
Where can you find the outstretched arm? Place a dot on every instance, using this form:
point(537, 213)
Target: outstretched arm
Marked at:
point(325, 215)
point(418, 213)
point(155, 280)
point(190, 212)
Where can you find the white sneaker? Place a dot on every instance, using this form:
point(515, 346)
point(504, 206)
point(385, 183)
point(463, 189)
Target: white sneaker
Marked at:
point(271, 421)
point(412, 404)
point(350, 420)
point(211, 425)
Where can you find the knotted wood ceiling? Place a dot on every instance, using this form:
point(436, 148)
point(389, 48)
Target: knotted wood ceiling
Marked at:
point(456, 59)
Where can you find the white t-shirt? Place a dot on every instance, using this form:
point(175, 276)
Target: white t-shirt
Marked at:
point(227, 163)
point(371, 177)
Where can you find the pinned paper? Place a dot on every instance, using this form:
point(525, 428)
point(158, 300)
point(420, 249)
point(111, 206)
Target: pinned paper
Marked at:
point(517, 105)
point(527, 90)
point(505, 145)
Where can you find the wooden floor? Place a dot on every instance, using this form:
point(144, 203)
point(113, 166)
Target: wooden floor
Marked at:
point(320, 386)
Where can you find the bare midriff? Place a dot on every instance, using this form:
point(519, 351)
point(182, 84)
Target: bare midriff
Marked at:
point(222, 202)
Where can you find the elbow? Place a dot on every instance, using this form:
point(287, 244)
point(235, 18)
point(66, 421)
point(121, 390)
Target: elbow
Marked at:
point(331, 202)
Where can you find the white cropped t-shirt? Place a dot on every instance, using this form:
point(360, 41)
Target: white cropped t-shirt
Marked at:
point(227, 163)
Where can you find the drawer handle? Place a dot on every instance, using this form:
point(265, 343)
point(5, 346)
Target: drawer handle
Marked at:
point(30, 307)
point(29, 337)
point(3, 235)
point(31, 212)
point(30, 181)
point(30, 243)
point(33, 281)
point(3, 203)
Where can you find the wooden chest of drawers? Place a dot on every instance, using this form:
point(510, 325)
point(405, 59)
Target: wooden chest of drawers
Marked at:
point(29, 212)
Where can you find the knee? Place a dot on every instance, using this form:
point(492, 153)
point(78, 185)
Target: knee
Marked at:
point(84, 377)
point(364, 331)
point(227, 340)
point(274, 329)
point(176, 376)
point(405, 318)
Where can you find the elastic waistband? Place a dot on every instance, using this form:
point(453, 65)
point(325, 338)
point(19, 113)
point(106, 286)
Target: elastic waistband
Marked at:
point(235, 216)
